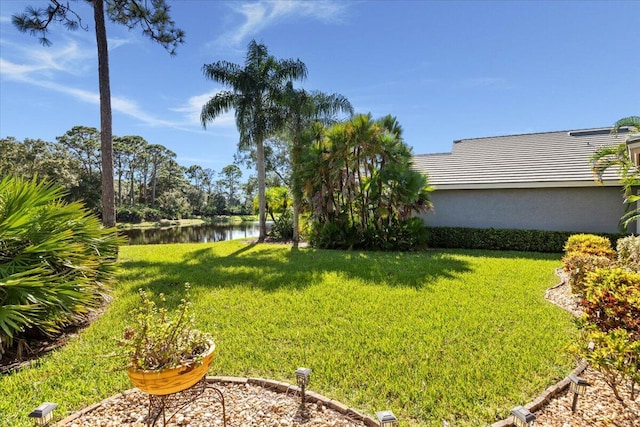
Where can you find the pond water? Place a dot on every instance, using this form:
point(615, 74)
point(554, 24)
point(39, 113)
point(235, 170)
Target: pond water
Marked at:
point(193, 234)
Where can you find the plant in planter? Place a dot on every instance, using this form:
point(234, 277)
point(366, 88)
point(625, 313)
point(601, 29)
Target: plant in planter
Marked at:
point(164, 352)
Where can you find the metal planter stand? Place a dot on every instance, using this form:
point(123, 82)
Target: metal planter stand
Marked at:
point(174, 402)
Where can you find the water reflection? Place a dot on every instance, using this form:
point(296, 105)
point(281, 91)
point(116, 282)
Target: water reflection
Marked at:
point(193, 234)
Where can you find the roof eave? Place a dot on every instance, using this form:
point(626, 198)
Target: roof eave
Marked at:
point(509, 185)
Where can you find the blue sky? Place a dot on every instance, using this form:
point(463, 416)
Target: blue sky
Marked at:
point(446, 70)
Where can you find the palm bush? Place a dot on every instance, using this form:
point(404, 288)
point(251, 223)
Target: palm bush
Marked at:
point(55, 260)
point(360, 186)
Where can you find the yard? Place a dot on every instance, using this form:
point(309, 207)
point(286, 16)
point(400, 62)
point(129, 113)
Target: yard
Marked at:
point(462, 336)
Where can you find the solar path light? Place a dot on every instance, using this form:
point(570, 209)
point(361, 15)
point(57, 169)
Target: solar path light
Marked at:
point(522, 417)
point(302, 378)
point(43, 414)
point(577, 386)
point(387, 419)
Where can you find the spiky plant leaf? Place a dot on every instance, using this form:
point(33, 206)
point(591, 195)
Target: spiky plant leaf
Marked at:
point(55, 259)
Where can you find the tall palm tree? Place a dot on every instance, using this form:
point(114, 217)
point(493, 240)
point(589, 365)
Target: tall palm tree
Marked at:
point(255, 92)
point(302, 109)
point(617, 156)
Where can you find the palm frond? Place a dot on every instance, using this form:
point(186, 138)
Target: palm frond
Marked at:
point(607, 157)
point(55, 258)
point(220, 103)
point(633, 122)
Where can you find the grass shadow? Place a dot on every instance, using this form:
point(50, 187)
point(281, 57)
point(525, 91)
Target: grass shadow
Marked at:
point(275, 267)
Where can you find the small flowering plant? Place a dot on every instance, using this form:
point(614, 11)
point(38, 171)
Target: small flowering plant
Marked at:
point(157, 339)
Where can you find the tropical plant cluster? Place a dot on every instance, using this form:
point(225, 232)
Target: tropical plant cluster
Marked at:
point(360, 188)
point(270, 116)
point(149, 183)
point(611, 302)
point(56, 261)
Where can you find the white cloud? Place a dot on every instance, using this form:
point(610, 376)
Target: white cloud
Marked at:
point(15, 71)
point(118, 104)
point(42, 68)
point(192, 108)
point(70, 58)
point(115, 43)
point(263, 14)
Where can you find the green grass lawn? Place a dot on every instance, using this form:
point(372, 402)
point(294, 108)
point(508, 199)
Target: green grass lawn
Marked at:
point(458, 335)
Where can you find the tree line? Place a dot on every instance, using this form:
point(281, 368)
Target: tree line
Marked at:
point(148, 181)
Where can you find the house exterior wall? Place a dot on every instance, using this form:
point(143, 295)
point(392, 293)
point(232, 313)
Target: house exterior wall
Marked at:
point(585, 209)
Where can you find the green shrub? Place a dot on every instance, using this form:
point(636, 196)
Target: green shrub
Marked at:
point(151, 214)
point(578, 266)
point(617, 358)
point(282, 228)
point(589, 244)
point(406, 235)
point(628, 249)
point(129, 214)
point(55, 259)
point(332, 235)
point(585, 253)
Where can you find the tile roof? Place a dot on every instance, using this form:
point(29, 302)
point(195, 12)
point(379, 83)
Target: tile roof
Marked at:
point(550, 159)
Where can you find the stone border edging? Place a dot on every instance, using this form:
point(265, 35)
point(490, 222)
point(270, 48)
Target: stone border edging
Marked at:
point(545, 397)
point(277, 386)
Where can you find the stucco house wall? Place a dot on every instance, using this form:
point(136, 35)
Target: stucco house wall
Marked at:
point(588, 209)
point(540, 181)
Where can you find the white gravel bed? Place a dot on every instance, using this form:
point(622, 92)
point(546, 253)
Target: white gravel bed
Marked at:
point(246, 405)
point(597, 407)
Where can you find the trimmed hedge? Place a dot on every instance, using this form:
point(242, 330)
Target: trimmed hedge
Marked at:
point(503, 239)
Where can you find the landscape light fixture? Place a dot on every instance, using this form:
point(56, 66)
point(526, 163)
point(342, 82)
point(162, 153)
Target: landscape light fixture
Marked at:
point(387, 419)
point(43, 414)
point(577, 386)
point(302, 378)
point(522, 417)
point(633, 147)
